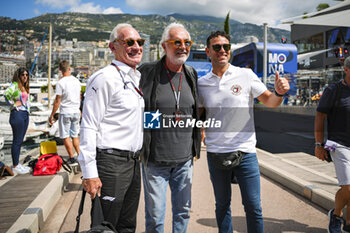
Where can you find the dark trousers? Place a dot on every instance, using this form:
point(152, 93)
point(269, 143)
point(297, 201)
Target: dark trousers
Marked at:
point(19, 121)
point(121, 186)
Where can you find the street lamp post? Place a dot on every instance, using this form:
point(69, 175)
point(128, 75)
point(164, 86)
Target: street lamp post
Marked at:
point(265, 55)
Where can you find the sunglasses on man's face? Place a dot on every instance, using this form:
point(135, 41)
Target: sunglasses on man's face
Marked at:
point(178, 43)
point(217, 47)
point(131, 42)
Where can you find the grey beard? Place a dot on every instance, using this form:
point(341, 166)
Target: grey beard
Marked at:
point(180, 60)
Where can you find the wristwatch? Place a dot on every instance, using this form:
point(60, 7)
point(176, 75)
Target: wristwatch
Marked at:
point(278, 95)
point(318, 144)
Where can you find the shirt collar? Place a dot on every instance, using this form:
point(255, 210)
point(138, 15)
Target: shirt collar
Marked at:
point(126, 69)
point(229, 71)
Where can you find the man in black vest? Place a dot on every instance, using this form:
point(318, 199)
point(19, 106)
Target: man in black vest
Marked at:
point(170, 92)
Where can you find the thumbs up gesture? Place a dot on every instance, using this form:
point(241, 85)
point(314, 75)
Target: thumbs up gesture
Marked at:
point(281, 84)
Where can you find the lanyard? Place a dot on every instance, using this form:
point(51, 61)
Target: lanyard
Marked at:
point(139, 91)
point(176, 95)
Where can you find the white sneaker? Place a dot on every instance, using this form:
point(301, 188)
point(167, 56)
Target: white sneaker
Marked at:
point(24, 167)
point(19, 169)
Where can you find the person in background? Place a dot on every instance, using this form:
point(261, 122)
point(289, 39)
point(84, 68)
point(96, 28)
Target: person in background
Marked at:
point(111, 131)
point(68, 100)
point(227, 94)
point(170, 86)
point(17, 95)
point(335, 106)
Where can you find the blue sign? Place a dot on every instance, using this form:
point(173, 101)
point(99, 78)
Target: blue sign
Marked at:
point(151, 120)
point(280, 57)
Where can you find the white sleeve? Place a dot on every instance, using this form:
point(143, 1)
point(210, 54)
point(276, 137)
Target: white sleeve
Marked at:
point(59, 89)
point(258, 87)
point(95, 103)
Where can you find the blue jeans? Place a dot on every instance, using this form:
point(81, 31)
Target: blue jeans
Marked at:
point(155, 181)
point(248, 177)
point(19, 121)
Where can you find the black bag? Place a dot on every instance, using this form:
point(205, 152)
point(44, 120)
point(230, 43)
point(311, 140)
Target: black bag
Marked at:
point(98, 225)
point(226, 161)
point(329, 158)
point(32, 163)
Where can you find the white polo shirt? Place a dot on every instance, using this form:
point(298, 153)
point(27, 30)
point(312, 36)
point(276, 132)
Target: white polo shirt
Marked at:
point(68, 87)
point(112, 115)
point(231, 100)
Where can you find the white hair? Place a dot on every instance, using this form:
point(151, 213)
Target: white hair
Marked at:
point(347, 62)
point(165, 35)
point(114, 33)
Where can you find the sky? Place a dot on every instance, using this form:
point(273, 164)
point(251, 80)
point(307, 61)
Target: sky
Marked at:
point(257, 12)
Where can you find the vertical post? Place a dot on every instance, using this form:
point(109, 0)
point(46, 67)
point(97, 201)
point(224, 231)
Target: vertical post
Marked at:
point(49, 69)
point(265, 55)
point(310, 90)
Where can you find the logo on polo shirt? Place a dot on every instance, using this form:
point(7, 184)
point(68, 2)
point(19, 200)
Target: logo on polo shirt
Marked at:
point(236, 89)
point(151, 120)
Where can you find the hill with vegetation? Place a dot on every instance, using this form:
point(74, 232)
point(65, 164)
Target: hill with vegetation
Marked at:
point(95, 27)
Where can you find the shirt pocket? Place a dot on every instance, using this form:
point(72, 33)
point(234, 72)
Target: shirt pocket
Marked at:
point(130, 99)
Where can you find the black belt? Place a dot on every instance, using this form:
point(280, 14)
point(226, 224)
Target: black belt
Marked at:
point(122, 153)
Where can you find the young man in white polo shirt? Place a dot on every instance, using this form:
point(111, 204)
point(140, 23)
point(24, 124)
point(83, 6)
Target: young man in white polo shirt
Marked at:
point(68, 91)
point(227, 93)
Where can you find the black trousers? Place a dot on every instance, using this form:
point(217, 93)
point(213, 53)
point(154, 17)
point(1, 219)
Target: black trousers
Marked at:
point(121, 186)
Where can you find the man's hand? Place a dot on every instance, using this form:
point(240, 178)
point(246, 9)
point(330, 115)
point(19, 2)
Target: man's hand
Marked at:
point(281, 84)
point(321, 153)
point(92, 186)
point(51, 120)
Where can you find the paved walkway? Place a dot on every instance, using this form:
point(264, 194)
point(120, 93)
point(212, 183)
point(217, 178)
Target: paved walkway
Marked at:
point(27, 200)
point(302, 173)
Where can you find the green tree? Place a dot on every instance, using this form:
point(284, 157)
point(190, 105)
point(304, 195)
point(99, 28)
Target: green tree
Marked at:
point(305, 15)
point(227, 23)
point(322, 6)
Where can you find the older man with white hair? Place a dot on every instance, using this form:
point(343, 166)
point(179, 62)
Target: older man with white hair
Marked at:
point(111, 133)
point(170, 89)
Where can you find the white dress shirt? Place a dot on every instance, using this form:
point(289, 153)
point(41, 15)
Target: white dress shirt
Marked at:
point(112, 115)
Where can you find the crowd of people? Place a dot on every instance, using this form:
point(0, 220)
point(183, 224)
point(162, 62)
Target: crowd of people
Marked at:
point(116, 148)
